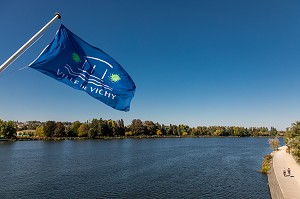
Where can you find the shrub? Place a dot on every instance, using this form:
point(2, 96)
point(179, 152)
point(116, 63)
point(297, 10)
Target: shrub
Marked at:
point(265, 167)
point(128, 133)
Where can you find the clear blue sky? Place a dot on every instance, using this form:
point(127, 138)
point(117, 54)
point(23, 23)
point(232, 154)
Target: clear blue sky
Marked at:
point(195, 62)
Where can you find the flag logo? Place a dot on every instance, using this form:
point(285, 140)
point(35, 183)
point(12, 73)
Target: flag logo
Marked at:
point(76, 58)
point(114, 78)
point(71, 60)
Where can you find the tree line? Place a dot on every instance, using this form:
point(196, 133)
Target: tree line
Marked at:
point(98, 128)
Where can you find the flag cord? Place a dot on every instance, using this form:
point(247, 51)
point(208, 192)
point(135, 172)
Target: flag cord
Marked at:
point(16, 70)
point(28, 44)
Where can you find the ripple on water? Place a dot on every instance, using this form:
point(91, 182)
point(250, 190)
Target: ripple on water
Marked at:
point(130, 168)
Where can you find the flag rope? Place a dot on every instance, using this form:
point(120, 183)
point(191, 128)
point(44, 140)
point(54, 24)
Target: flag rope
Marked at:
point(19, 69)
point(27, 44)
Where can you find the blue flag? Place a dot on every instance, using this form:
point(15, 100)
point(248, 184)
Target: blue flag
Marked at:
point(71, 60)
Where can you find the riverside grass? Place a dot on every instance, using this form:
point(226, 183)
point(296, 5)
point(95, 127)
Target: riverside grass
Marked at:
point(265, 167)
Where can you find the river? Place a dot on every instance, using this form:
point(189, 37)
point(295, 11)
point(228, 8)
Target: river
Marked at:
point(134, 168)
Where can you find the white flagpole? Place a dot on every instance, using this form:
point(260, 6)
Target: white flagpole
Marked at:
point(27, 44)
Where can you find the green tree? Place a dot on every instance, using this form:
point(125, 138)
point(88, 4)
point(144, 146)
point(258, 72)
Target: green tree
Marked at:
point(202, 130)
point(92, 133)
point(150, 128)
point(107, 128)
point(273, 131)
point(121, 127)
point(292, 139)
point(263, 131)
point(112, 128)
point(59, 130)
point(137, 127)
point(170, 130)
point(8, 129)
point(163, 129)
point(72, 131)
point(294, 130)
point(236, 131)
point(183, 129)
point(96, 128)
point(49, 128)
point(253, 131)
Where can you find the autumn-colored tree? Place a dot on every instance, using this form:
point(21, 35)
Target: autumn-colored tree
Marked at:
point(274, 144)
point(218, 132)
point(159, 132)
point(83, 130)
point(39, 131)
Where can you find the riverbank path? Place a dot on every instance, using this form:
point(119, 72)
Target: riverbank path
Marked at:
point(289, 185)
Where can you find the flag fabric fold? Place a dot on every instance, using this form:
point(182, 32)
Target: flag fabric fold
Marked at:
point(71, 60)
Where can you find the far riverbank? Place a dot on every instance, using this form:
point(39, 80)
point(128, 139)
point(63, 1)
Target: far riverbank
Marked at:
point(122, 137)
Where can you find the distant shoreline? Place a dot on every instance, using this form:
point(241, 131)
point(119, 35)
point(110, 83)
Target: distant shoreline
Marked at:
point(122, 137)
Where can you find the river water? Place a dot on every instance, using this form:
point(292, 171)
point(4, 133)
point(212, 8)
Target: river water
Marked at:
point(134, 168)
